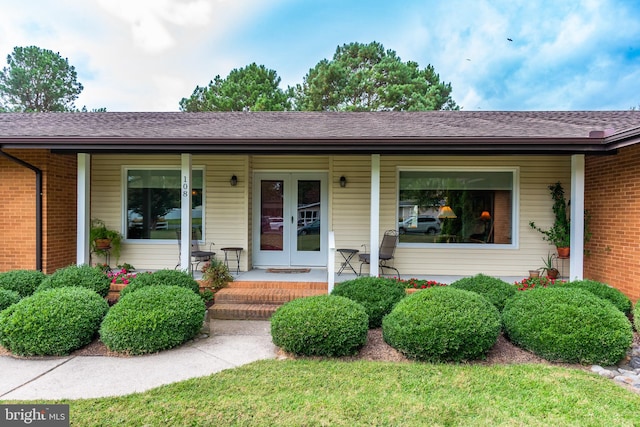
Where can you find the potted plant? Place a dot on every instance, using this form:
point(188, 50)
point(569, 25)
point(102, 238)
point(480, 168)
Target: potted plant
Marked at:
point(216, 274)
point(103, 240)
point(552, 271)
point(559, 233)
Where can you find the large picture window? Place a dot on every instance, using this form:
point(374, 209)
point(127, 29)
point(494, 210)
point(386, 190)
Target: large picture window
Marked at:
point(153, 203)
point(456, 207)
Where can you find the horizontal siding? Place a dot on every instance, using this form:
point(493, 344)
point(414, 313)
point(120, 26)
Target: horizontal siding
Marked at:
point(290, 163)
point(225, 212)
point(227, 208)
point(350, 205)
point(351, 213)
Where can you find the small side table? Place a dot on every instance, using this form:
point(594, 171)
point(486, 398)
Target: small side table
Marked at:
point(347, 255)
point(238, 252)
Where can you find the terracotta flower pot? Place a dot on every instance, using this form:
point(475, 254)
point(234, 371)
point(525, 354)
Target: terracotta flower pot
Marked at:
point(552, 273)
point(563, 252)
point(103, 243)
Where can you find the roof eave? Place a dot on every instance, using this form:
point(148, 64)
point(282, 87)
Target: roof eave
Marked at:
point(364, 145)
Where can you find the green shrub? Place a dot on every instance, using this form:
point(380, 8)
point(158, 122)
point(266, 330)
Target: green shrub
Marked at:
point(52, 322)
point(161, 278)
point(568, 325)
point(24, 282)
point(152, 319)
point(495, 290)
point(83, 276)
point(636, 316)
point(603, 291)
point(8, 298)
point(442, 324)
point(377, 295)
point(323, 325)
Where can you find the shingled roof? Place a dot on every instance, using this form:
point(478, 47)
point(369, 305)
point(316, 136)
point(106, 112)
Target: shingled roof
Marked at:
point(311, 132)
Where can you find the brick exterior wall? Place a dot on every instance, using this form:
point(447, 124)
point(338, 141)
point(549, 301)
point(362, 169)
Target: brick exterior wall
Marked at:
point(18, 221)
point(612, 199)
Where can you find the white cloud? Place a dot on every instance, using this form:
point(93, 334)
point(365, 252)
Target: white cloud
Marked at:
point(151, 21)
point(146, 55)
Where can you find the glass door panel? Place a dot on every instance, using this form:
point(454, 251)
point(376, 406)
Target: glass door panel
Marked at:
point(308, 236)
point(271, 215)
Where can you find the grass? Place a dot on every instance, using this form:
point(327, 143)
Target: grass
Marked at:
point(306, 392)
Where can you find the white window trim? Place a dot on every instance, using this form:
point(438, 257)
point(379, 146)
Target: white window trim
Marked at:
point(123, 192)
point(515, 214)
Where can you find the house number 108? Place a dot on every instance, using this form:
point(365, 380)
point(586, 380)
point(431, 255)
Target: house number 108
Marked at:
point(185, 187)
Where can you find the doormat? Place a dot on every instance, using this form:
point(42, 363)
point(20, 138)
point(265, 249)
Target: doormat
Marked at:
point(288, 270)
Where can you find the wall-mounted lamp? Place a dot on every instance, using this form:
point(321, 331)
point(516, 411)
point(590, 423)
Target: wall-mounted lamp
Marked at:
point(233, 181)
point(343, 181)
point(485, 216)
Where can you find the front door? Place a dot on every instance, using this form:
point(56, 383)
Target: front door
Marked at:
point(290, 219)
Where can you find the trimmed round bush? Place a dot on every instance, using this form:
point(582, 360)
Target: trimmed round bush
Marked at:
point(603, 291)
point(442, 324)
point(161, 278)
point(24, 282)
point(497, 291)
point(323, 325)
point(8, 298)
point(636, 316)
point(83, 276)
point(567, 325)
point(52, 322)
point(152, 319)
point(377, 295)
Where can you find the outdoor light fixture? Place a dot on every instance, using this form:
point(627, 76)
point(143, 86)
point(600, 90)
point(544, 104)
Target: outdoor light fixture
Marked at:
point(233, 181)
point(343, 181)
point(485, 216)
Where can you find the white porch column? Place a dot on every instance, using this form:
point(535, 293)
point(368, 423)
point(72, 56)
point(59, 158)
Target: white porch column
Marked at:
point(374, 238)
point(331, 264)
point(576, 262)
point(83, 208)
point(185, 210)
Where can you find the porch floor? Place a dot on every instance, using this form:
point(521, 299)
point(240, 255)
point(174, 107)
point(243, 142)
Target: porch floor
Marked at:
point(320, 275)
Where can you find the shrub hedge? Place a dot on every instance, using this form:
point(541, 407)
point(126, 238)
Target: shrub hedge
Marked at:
point(603, 291)
point(323, 325)
point(161, 278)
point(7, 298)
point(567, 325)
point(443, 324)
point(636, 315)
point(377, 295)
point(83, 276)
point(497, 291)
point(24, 282)
point(52, 322)
point(152, 319)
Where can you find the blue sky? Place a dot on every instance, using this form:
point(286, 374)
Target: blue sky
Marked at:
point(145, 55)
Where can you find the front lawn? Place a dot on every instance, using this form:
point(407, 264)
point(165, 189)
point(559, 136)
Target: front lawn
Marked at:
point(306, 392)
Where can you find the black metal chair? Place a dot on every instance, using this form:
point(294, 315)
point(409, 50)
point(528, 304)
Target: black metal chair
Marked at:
point(197, 255)
point(385, 254)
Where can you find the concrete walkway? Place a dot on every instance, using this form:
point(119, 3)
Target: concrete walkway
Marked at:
point(232, 343)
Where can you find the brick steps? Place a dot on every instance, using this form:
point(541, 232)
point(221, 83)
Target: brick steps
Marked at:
point(259, 300)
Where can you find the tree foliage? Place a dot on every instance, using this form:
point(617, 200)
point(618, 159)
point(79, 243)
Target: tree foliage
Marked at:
point(39, 80)
point(252, 88)
point(366, 77)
